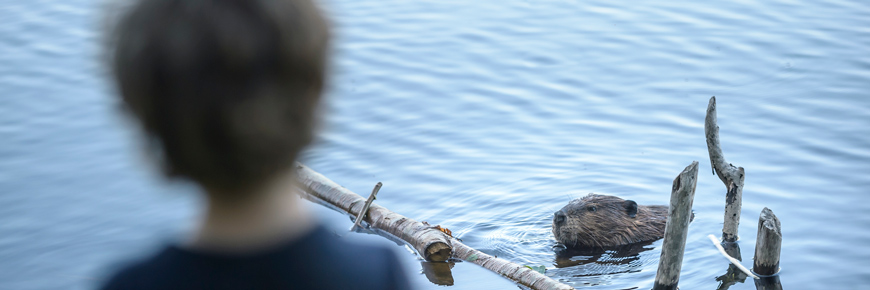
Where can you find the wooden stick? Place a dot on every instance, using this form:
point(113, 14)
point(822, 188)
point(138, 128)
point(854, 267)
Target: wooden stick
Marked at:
point(730, 175)
point(365, 208)
point(676, 228)
point(767, 244)
point(432, 244)
point(520, 274)
point(730, 259)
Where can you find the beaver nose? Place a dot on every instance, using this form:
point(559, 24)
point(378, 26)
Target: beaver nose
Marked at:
point(559, 218)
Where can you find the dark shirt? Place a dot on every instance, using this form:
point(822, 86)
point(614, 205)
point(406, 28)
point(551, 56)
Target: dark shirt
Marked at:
point(319, 260)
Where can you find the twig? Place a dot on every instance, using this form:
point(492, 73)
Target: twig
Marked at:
point(730, 259)
point(365, 208)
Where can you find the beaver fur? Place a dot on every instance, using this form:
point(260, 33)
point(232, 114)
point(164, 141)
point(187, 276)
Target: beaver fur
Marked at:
point(608, 221)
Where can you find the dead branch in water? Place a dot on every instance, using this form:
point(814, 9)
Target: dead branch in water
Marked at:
point(730, 175)
point(768, 243)
point(677, 228)
point(430, 242)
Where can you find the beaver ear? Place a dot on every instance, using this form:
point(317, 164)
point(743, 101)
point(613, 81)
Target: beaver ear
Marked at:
point(630, 208)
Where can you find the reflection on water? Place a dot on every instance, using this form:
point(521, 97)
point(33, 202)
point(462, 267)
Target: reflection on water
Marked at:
point(438, 272)
point(484, 117)
point(604, 261)
point(768, 283)
point(733, 275)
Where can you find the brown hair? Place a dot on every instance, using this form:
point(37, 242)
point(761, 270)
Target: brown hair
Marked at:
point(226, 89)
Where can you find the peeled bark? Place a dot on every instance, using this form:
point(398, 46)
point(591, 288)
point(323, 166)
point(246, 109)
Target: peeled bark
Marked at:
point(431, 243)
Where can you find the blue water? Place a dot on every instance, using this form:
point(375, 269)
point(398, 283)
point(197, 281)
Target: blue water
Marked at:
point(484, 117)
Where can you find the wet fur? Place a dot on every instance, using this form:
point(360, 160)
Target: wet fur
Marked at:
point(610, 224)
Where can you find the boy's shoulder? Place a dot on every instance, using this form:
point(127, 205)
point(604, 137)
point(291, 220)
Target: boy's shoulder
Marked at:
point(319, 260)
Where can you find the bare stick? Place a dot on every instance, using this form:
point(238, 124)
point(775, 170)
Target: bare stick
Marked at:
point(733, 275)
point(730, 259)
point(365, 208)
point(730, 175)
point(520, 274)
point(432, 244)
point(676, 228)
point(768, 243)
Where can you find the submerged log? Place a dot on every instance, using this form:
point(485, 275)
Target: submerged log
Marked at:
point(429, 242)
point(677, 228)
point(730, 175)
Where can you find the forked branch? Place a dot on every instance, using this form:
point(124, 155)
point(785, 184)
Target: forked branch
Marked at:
point(732, 176)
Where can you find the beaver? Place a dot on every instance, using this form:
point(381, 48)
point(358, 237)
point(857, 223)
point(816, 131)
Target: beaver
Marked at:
point(608, 221)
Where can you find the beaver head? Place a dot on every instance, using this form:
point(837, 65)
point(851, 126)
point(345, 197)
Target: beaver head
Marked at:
point(607, 221)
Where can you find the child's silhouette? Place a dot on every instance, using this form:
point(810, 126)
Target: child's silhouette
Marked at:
point(225, 91)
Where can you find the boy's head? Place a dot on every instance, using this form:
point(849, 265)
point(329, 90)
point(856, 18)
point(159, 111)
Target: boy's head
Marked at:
point(227, 89)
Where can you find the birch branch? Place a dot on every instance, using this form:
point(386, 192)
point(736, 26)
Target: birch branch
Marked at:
point(520, 274)
point(431, 243)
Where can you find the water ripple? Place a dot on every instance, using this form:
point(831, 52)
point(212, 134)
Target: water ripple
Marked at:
point(485, 117)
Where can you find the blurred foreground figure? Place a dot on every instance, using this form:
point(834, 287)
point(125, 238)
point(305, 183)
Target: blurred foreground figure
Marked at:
point(225, 91)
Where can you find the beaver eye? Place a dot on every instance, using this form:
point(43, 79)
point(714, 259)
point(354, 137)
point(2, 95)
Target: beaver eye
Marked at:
point(591, 208)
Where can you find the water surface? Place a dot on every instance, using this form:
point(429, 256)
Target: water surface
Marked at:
point(483, 117)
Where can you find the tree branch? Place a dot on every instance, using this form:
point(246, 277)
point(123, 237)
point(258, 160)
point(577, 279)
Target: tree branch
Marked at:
point(730, 175)
point(431, 243)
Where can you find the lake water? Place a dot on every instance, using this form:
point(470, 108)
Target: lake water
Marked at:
point(483, 117)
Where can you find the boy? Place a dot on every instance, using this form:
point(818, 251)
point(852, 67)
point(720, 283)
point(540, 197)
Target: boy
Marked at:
point(225, 91)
